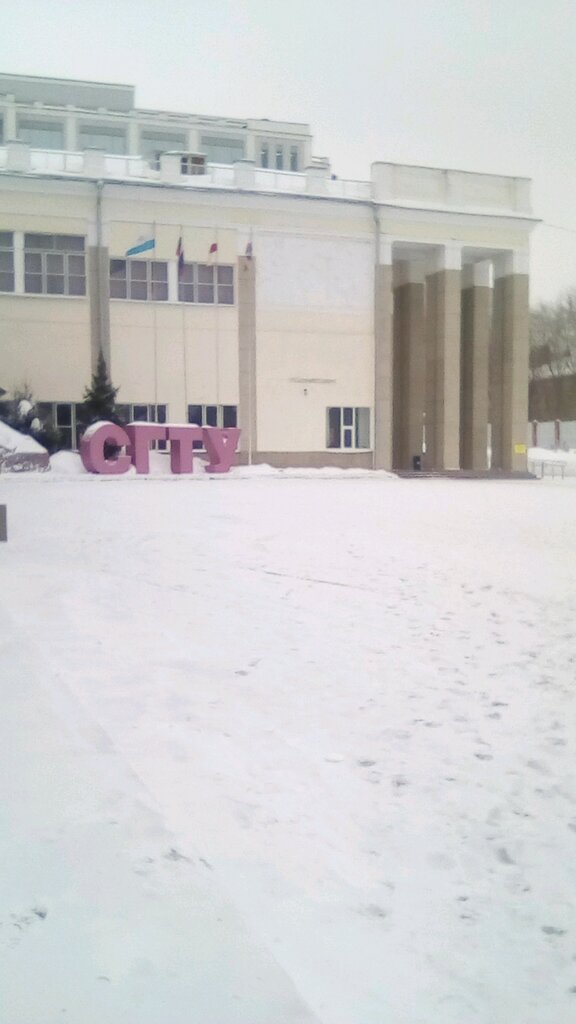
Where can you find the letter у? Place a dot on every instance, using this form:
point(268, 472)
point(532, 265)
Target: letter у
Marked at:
point(221, 447)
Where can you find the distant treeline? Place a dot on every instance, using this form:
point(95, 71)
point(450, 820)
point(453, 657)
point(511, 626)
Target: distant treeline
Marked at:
point(553, 360)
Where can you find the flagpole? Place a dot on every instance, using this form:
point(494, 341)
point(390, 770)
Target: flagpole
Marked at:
point(217, 321)
point(251, 359)
point(184, 352)
point(155, 327)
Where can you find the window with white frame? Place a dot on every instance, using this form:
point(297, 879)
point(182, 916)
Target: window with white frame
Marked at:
point(44, 134)
point(212, 416)
point(192, 163)
point(279, 156)
point(144, 280)
point(294, 158)
point(54, 265)
point(222, 149)
point(264, 155)
point(347, 427)
point(154, 144)
point(141, 412)
point(107, 137)
point(202, 283)
point(68, 418)
point(6, 261)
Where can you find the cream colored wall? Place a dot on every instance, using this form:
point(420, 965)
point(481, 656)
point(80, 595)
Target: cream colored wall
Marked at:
point(45, 342)
point(314, 331)
point(174, 355)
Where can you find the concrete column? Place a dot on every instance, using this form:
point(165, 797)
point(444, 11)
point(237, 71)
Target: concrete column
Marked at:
point(133, 138)
point(70, 131)
point(409, 363)
point(443, 360)
point(316, 180)
point(383, 355)
point(475, 350)
point(245, 174)
point(509, 362)
point(247, 381)
point(193, 140)
point(17, 156)
point(10, 126)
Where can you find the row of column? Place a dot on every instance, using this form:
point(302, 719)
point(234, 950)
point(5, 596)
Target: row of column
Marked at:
point(452, 362)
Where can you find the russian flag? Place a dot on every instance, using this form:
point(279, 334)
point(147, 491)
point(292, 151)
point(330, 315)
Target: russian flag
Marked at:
point(142, 245)
point(180, 256)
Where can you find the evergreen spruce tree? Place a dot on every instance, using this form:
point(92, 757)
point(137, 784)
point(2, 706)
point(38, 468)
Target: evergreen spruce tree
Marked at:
point(100, 397)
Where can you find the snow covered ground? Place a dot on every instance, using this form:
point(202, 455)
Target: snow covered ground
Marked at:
point(285, 750)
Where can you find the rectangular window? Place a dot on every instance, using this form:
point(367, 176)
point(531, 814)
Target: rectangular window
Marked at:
point(279, 157)
point(264, 158)
point(203, 283)
point(294, 161)
point(6, 261)
point(45, 134)
point(106, 137)
point(54, 265)
point(222, 150)
point(212, 416)
point(348, 427)
point(192, 164)
point(68, 418)
point(153, 144)
point(143, 280)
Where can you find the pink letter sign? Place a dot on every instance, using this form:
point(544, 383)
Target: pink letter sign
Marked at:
point(141, 434)
point(220, 445)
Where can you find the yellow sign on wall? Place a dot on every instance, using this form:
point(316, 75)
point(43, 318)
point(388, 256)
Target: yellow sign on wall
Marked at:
point(519, 449)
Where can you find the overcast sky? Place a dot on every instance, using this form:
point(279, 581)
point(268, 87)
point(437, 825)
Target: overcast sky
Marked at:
point(487, 85)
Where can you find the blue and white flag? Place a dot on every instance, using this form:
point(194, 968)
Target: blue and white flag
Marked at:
point(142, 245)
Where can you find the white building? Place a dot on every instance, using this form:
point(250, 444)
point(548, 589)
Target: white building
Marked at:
point(338, 322)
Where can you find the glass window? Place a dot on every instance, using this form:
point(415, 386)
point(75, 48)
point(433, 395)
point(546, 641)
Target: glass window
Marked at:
point(117, 279)
point(229, 416)
point(205, 283)
point(222, 150)
point(192, 164)
point(264, 155)
point(294, 161)
point(143, 280)
point(46, 134)
point(348, 428)
point(362, 428)
point(6, 261)
point(106, 137)
point(153, 144)
point(212, 416)
point(279, 157)
point(201, 282)
point(53, 264)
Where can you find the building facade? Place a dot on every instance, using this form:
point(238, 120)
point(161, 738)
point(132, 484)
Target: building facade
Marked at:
point(350, 323)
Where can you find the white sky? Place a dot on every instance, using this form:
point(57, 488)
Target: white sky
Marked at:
point(487, 85)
